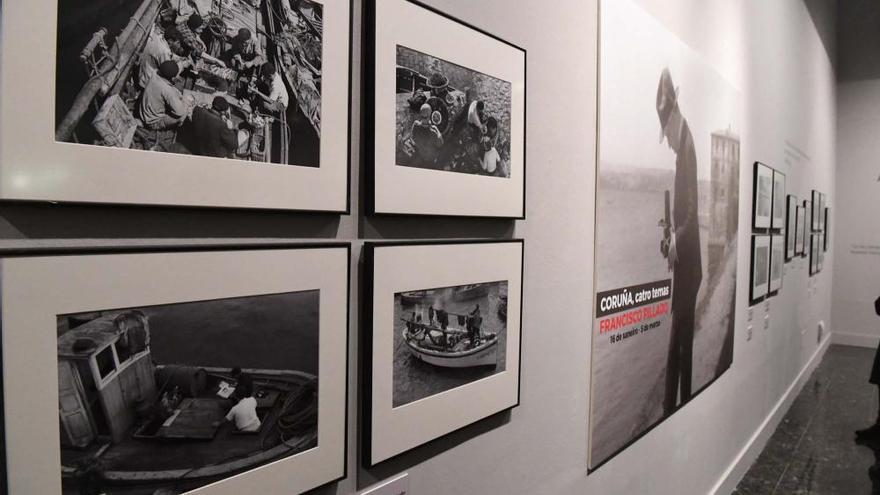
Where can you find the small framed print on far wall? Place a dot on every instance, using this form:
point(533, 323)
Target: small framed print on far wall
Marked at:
point(777, 264)
point(762, 197)
point(779, 202)
point(442, 330)
point(800, 231)
point(791, 210)
point(760, 268)
point(446, 103)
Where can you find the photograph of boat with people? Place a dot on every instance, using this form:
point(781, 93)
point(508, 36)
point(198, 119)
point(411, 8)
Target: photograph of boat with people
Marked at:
point(451, 118)
point(166, 399)
point(447, 337)
point(234, 79)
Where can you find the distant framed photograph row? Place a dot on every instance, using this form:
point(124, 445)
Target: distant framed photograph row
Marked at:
point(201, 106)
point(228, 371)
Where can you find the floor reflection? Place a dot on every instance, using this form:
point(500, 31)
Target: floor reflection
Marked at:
point(813, 451)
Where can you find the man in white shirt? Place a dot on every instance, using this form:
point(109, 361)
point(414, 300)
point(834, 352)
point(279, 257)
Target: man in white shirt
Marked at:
point(277, 98)
point(491, 158)
point(244, 414)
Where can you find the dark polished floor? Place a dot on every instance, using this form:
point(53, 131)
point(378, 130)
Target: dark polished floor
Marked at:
point(813, 451)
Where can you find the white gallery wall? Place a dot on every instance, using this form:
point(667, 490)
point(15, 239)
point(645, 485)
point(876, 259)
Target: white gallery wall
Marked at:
point(772, 53)
point(857, 227)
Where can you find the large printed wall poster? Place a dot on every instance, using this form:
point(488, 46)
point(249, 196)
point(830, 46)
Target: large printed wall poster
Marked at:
point(666, 228)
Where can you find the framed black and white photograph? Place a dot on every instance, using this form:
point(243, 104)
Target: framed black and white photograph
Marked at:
point(446, 106)
point(827, 226)
point(220, 371)
point(760, 269)
point(442, 340)
point(762, 197)
point(190, 103)
point(821, 212)
point(808, 226)
point(814, 254)
point(779, 202)
point(791, 210)
point(816, 201)
point(820, 249)
point(777, 264)
point(800, 231)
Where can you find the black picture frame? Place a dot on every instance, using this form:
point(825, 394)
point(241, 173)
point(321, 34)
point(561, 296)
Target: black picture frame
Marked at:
point(762, 172)
point(756, 294)
point(827, 229)
point(76, 251)
point(778, 218)
point(791, 206)
point(816, 200)
point(366, 346)
point(808, 225)
point(814, 255)
point(369, 129)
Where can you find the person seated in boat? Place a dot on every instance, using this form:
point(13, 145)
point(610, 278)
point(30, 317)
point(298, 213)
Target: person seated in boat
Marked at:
point(426, 136)
point(244, 55)
point(243, 382)
point(244, 414)
point(271, 89)
point(476, 119)
point(214, 130)
point(431, 313)
point(162, 105)
point(185, 36)
point(155, 52)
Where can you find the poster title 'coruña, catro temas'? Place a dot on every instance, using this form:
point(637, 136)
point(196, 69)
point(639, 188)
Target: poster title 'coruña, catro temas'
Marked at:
point(628, 306)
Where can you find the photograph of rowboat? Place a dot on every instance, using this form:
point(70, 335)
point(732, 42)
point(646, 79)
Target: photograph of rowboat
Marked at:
point(234, 79)
point(447, 337)
point(166, 399)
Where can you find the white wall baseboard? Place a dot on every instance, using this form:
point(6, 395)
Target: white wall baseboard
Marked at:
point(855, 339)
point(749, 453)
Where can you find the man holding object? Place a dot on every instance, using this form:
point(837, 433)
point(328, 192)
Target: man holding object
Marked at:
point(684, 245)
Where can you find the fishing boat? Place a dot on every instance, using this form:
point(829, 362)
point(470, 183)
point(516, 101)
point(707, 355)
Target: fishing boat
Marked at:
point(104, 110)
point(416, 296)
point(449, 347)
point(469, 292)
point(127, 421)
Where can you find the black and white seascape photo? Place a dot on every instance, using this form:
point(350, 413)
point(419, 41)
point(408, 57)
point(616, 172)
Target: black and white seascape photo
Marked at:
point(451, 118)
point(447, 337)
point(165, 399)
point(232, 79)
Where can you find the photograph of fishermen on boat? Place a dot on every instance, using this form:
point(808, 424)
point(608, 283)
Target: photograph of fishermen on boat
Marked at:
point(447, 337)
point(451, 118)
point(667, 223)
point(238, 79)
point(177, 396)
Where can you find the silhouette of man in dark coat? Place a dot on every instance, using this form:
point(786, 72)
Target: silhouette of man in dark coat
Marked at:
point(684, 249)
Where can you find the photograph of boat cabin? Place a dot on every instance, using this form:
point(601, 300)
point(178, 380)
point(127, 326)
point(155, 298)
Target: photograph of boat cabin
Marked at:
point(451, 118)
point(222, 78)
point(447, 337)
point(166, 399)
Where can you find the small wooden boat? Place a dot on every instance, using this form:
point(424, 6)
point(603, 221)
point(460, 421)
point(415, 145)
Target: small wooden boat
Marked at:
point(416, 296)
point(471, 291)
point(450, 347)
point(164, 425)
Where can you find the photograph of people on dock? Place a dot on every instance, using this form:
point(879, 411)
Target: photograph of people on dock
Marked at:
point(166, 399)
point(451, 118)
point(236, 79)
point(447, 337)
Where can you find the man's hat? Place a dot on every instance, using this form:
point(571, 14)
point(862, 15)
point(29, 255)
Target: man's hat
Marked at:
point(220, 104)
point(667, 99)
point(168, 69)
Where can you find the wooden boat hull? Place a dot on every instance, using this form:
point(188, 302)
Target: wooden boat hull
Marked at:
point(486, 354)
point(473, 292)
